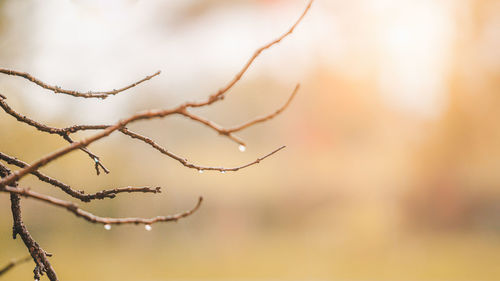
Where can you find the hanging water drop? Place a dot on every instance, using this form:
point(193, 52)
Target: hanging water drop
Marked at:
point(148, 227)
point(200, 171)
point(242, 148)
point(107, 226)
point(222, 172)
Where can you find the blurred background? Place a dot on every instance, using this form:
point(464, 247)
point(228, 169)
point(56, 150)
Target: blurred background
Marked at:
point(393, 143)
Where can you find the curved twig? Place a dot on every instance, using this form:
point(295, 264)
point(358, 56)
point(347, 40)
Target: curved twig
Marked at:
point(73, 208)
point(144, 115)
point(64, 133)
point(90, 94)
point(109, 193)
point(266, 117)
point(220, 93)
point(8, 183)
point(185, 162)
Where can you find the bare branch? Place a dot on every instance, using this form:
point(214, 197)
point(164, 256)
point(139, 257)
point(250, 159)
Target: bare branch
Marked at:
point(73, 208)
point(220, 93)
point(9, 181)
point(229, 132)
point(110, 193)
point(64, 133)
point(37, 253)
point(212, 125)
point(84, 142)
point(147, 114)
point(97, 160)
point(90, 94)
point(264, 118)
point(185, 162)
point(21, 118)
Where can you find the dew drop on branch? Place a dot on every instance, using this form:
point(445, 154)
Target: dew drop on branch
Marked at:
point(242, 148)
point(148, 227)
point(107, 226)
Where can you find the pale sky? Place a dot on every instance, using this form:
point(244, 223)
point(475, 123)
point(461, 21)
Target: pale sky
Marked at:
point(101, 45)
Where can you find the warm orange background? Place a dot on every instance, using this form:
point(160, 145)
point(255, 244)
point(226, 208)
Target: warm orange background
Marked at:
point(391, 170)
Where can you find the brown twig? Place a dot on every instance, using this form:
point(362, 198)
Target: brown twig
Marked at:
point(266, 117)
point(110, 193)
point(211, 124)
point(38, 254)
point(64, 133)
point(9, 181)
point(73, 208)
point(45, 128)
point(84, 142)
point(220, 93)
point(229, 132)
point(90, 94)
point(108, 129)
point(185, 162)
point(97, 160)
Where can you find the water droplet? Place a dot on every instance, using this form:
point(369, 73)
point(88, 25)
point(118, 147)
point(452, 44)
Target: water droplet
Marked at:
point(148, 227)
point(107, 226)
point(222, 172)
point(96, 160)
point(242, 148)
point(200, 171)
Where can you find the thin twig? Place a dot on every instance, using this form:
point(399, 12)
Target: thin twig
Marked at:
point(73, 208)
point(85, 142)
point(220, 93)
point(185, 162)
point(64, 133)
point(212, 125)
point(264, 118)
point(90, 94)
point(229, 132)
point(9, 181)
point(110, 193)
point(97, 160)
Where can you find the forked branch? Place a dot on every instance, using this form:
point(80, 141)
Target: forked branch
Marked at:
point(9, 180)
point(65, 132)
point(78, 194)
